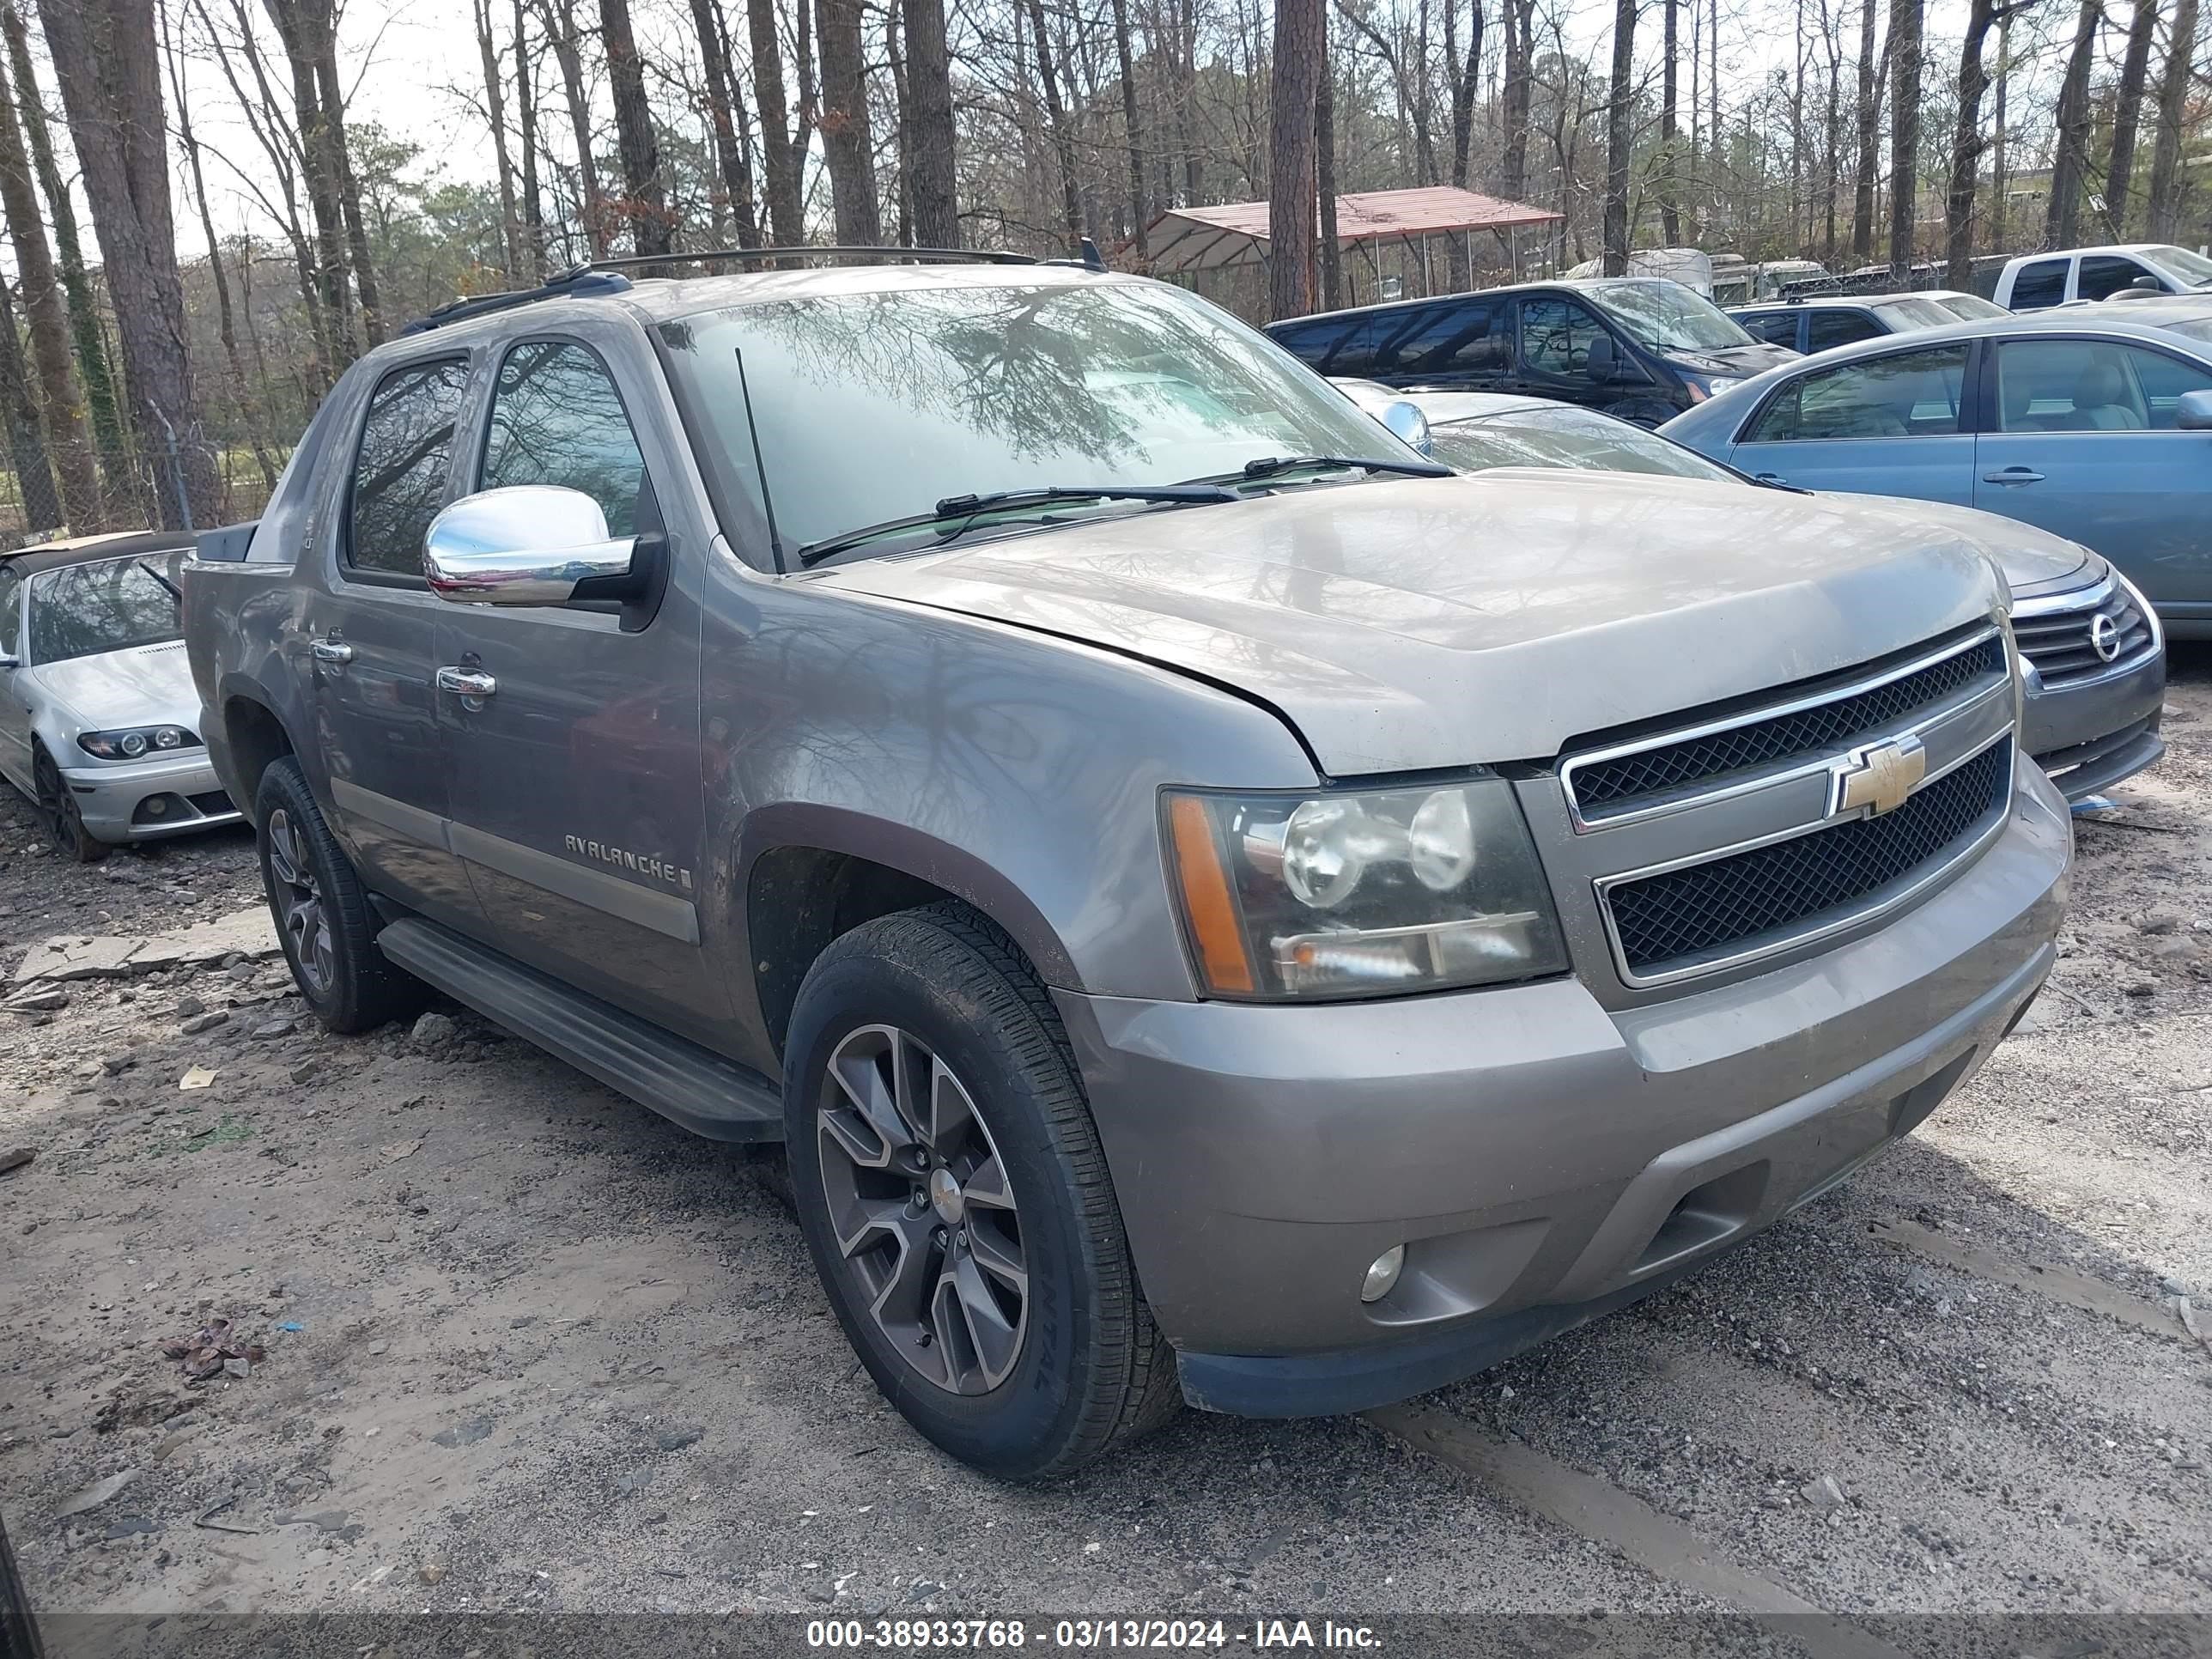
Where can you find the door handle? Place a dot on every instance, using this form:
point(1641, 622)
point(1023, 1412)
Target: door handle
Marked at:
point(466, 682)
point(335, 651)
point(2013, 474)
point(1770, 477)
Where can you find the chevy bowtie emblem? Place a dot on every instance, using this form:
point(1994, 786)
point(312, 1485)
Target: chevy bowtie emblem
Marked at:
point(1879, 776)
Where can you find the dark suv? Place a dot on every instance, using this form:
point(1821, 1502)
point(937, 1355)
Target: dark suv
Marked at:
point(1638, 347)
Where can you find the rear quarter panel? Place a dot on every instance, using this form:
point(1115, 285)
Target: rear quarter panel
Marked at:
point(241, 634)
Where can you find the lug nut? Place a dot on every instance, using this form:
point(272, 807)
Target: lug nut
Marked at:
point(937, 1237)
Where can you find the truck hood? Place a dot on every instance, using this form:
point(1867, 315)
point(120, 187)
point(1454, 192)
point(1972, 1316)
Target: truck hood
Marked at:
point(144, 685)
point(1437, 623)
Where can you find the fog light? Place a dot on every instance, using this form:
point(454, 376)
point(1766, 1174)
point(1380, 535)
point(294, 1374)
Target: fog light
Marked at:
point(1382, 1274)
point(156, 806)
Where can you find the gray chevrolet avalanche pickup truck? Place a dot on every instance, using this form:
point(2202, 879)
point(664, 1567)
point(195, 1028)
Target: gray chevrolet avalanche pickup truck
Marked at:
point(1212, 912)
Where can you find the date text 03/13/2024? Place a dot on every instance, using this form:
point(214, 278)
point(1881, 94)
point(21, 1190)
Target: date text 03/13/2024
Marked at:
point(998, 1635)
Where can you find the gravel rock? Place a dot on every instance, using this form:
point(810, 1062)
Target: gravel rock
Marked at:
point(433, 1031)
point(206, 1022)
point(269, 1030)
point(189, 1007)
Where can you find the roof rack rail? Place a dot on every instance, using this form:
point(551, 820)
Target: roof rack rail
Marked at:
point(599, 277)
point(583, 282)
point(966, 255)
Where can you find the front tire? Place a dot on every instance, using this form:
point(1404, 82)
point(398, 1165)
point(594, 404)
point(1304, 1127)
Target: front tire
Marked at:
point(59, 813)
point(954, 1195)
point(322, 912)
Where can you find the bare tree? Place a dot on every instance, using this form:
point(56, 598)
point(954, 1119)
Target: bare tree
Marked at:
point(781, 158)
point(26, 445)
point(61, 406)
point(645, 197)
point(566, 39)
point(2166, 183)
point(1126, 62)
point(930, 157)
point(848, 142)
point(726, 113)
point(1056, 119)
point(105, 59)
point(1967, 141)
point(510, 224)
point(2069, 167)
point(1301, 41)
point(526, 115)
point(1514, 97)
point(1868, 160)
point(2127, 112)
point(1619, 133)
point(1670, 216)
point(85, 336)
point(1331, 252)
point(1905, 49)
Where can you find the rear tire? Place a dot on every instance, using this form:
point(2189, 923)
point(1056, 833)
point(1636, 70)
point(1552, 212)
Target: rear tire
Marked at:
point(982, 1275)
point(322, 912)
point(58, 813)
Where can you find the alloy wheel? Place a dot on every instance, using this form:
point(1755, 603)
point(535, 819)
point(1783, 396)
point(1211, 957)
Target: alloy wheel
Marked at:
point(922, 1209)
point(58, 809)
point(297, 899)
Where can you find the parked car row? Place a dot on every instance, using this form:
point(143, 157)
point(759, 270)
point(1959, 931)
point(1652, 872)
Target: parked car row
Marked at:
point(2091, 653)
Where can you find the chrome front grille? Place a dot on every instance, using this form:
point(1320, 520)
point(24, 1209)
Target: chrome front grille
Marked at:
point(1756, 830)
point(1789, 886)
point(1612, 782)
point(2072, 638)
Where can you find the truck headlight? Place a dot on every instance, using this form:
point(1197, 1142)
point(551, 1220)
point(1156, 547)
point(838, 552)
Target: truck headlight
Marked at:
point(1361, 893)
point(137, 742)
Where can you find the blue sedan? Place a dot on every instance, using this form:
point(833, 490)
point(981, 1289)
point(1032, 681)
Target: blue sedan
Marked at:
point(2092, 421)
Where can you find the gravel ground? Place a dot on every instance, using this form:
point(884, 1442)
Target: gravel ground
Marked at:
point(551, 1354)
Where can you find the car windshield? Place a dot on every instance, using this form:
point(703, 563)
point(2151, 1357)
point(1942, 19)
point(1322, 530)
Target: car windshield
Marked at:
point(2193, 268)
point(1668, 316)
point(1565, 436)
point(110, 604)
point(842, 410)
point(1970, 307)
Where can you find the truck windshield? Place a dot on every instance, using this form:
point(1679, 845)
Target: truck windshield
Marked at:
point(845, 410)
point(2193, 268)
point(111, 604)
point(1668, 316)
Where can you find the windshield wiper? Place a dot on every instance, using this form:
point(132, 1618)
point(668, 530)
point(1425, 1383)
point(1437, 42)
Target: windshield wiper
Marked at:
point(1268, 466)
point(175, 592)
point(957, 510)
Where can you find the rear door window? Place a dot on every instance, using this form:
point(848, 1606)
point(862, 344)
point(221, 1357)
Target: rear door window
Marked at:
point(1835, 328)
point(2040, 285)
point(400, 470)
point(11, 611)
point(1775, 327)
point(1455, 338)
point(1912, 394)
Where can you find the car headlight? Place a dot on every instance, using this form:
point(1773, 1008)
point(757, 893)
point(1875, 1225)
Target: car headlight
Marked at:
point(137, 742)
point(1364, 893)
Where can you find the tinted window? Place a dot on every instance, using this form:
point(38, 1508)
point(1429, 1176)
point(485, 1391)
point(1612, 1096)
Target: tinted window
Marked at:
point(557, 419)
point(1448, 339)
point(399, 474)
point(1775, 327)
point(1556, 335)
point(1564, 435)
point(1310, 342)
point(2104, 275)
point(1911, 394)
point(11, 611)
point(82, 609)
point(2043, 283)
point(2089, 386)
point(1835, 328)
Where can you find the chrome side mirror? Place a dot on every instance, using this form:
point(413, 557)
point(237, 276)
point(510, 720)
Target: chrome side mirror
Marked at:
point(2193, 411)
point(1407, 424)
point(525, 545)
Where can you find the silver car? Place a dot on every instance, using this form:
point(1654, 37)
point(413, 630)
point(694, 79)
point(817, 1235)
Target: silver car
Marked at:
point(99, 721)
point(2092, 655)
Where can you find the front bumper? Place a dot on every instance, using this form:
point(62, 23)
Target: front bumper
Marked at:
point(1543, 1160)
point(2089, 737)
point(151, 798)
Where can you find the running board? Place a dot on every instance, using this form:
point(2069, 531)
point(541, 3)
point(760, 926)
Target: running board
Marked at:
point(693, 1086)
